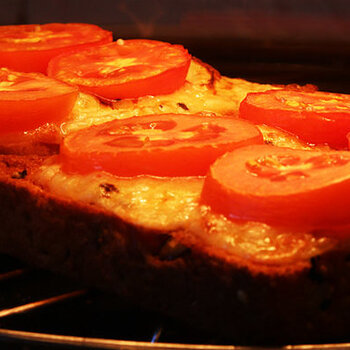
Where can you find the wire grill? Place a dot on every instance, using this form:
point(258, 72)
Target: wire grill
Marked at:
point(40, 310)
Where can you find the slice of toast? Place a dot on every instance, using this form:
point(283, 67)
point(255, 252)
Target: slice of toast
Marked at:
point(150, 241)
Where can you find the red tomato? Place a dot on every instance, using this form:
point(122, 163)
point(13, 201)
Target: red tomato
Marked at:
point(316, 117)
point(125, 68)
point(29, 100)
point(281, 186)
point(162, 145)
point(29, 48)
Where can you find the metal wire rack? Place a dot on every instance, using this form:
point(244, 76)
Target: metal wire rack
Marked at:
point(40, 310)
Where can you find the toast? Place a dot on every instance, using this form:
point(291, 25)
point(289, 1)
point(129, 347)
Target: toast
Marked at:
point(259, 284)
point(149, 240)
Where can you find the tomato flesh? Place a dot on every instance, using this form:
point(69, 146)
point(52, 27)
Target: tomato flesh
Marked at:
point(125, 68)
point(29, 48)
point(316, 117)
point(29, 100)
point(281, 186)
point(162, 145)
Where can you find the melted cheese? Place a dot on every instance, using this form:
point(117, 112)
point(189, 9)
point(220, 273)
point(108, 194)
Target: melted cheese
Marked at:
point(172, 205)
point(204, 92)
point(143, 200)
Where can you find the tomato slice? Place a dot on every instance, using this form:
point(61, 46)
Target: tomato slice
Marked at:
point(29, 100)
point(125, 68)
point(29, 48)
point(316, 117)
point(281, 186)
point(162, 145)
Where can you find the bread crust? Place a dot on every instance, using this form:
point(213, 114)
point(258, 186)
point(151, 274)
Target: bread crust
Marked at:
point(172, 272)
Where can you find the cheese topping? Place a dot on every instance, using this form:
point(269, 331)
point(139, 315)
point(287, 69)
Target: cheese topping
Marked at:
point(204, 92)
point(172, 205)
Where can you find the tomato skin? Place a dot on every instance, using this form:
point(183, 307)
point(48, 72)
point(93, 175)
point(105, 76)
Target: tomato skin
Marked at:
point(34, 55)
point(316, 117)
point(278, 186)
point(125, 68)
point(30, 100)
point(160, 145)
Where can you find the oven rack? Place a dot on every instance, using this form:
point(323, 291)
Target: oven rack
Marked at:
point(31, 304)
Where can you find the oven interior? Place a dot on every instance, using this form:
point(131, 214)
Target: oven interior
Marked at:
point(35, 304)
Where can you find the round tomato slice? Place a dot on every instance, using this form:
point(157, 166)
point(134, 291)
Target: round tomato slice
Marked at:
point(281, 186)
point(29, 48)
point(316, 117)
point(162, 145)
point(125, 68)
point(29, 100)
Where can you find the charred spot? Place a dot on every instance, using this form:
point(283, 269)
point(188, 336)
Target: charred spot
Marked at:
point(161, 106)
point(107, 101)
point(213, 78)
point(19, 174)
point(316, 274)
point(268, 142)
point(107, 189)
point(183, 106)
point(214, 75)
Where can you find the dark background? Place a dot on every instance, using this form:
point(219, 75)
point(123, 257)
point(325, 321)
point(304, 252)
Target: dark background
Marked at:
point(278, 41)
